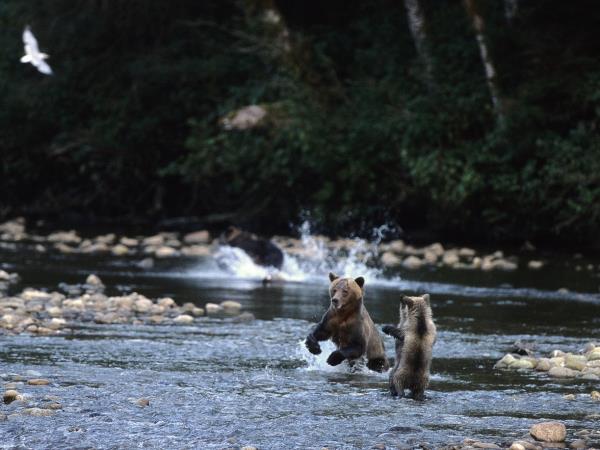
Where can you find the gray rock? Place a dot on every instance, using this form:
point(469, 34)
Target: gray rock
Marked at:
point(197, 237)
point(562, 372)
point(389, 259)
point(183, 319)
point(412, 262)
point(231, 307)
point(38, 412)
point(549, 431)
point(10, 396)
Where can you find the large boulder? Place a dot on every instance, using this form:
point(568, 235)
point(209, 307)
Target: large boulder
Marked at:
point(549, 432)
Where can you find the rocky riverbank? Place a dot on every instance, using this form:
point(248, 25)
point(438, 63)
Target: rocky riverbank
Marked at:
point(558, 364)
point(394, 254)
point(541, 435)
point(41, 312)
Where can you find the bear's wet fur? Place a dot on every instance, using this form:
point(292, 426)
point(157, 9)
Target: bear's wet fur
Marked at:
point(348, 324)
point(262, 251)
point(415, 336)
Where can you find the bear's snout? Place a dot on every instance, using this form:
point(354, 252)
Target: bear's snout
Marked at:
point(335, 302)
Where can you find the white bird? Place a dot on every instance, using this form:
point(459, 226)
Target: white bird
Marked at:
point(33, 54)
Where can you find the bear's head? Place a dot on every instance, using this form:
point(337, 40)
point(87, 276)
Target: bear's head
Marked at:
point(413, 306)
point(346, 293)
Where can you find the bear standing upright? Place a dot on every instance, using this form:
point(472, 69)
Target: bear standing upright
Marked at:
point(415, 336)
point(348, 324)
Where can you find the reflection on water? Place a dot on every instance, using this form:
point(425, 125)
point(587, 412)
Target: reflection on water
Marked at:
point(220, 384)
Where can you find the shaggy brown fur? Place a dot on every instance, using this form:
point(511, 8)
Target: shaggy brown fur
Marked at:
point(415, 336)
point(348, 324)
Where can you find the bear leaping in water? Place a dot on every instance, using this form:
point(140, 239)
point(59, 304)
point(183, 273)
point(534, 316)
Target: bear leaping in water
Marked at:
point(348, 324)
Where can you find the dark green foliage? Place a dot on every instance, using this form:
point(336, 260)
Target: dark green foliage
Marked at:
point(130, 123)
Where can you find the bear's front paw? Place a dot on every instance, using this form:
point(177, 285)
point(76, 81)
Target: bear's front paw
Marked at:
point(377, 364)
point(335, 358)
point(312, 345)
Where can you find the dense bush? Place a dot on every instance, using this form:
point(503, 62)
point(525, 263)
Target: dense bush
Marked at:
point(129, 126)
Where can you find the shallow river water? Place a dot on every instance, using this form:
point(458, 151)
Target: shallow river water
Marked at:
point(219, 384)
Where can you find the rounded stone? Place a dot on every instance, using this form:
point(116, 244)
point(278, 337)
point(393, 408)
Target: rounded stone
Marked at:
point(120, 250)
point(412, 262)
point(543, 365)
point(10, 396)
point(578, 443)
point(388, 259)
point(38, 412)
point(197, 237)
point(595, 395)
point(93, 280)
point(231, 307)
point(562, 372)
point(212, 308)
point(38, 382)
point(535, 265)
point(575, 362)
point(142, 402)
point(549, 431)
point(516, 446)
point(183, 319)
point(166, 252)
point(522, 364)
point(166, 302)
point(506, 361)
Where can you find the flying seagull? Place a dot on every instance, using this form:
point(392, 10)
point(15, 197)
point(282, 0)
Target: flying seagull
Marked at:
point(33, 54)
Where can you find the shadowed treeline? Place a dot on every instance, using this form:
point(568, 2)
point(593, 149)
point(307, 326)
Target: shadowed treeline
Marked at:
point(475, 118)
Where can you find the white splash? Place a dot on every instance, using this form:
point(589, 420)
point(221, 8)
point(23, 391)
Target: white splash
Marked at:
point(310, 261)
point(33, 54)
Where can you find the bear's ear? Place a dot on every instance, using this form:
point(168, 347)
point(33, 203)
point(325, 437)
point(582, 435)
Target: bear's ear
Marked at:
point(427, 299)
point(407, 301)
point(332, 276)
point(360, 281)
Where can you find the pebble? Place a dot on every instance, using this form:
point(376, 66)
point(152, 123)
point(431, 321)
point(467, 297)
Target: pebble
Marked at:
point(535, 265)
point(38, 382)
point(10, 396)
point(53, 405)
point(197, 237)
point(595, 395)
point(516, 446)
point(412, 262)
point(562, 372)
point(142, 402)
point(93, 280)
point(231, 307)
point(196, 250)
point(120, 250)
point(549, 431)
point(575, 362)
point(38, 412)
point(389, 259)
point(578, 443)
point(569, 397)
point(183, 319)
point(244, 317)
point(212, 308)
point(166, 252)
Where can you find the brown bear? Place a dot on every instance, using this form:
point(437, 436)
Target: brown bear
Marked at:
point(348, 324)
point(262, 251)
point(415, 336)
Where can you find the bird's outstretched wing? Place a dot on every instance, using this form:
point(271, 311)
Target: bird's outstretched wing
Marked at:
point(43, 67)
point(30, 40)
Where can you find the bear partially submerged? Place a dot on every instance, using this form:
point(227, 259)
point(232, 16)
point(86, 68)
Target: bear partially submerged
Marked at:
point(262, 251)
point(415, 336)
point(348, 324)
